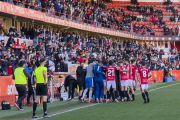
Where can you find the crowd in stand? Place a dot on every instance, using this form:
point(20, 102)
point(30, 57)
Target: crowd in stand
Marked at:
point(98, 14)
point(68, 46)
point(156, 16)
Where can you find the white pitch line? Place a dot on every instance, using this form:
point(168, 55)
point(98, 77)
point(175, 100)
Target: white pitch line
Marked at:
point(99, 103)
point(69, 110)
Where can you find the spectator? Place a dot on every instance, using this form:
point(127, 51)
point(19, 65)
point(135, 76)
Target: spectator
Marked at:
point(23, 36)
point(58, 68)
point(52, 64)
point(80, 59)
point(175, 13)
point(1, 72)
point(172, 60)
point(10, 41)
point(24, 30)
point(168, 8)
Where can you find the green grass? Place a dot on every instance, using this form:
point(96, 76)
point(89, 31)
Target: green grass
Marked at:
point(163, 105)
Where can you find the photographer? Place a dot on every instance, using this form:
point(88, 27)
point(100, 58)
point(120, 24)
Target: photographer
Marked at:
point(166, 72)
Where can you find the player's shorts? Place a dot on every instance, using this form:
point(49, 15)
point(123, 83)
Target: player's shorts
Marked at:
point(41, 89)
point(89, 82)
point(104, 81)
point(111, 83)
point(124, 83)
point(81, 86)
point(130, 82)
point(134, 83)
point(144, 86)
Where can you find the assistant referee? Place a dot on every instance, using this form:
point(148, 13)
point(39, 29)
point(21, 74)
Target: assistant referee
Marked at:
point(19, 76)
point(41, 87)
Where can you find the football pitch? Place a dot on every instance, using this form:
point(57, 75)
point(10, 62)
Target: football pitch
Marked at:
point(164, 105)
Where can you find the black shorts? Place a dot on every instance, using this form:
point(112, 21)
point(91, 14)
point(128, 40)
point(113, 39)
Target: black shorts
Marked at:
point(41, 89)
point(81, 86)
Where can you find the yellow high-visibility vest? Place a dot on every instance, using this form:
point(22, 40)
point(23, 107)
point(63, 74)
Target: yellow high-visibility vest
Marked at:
point(20, 77)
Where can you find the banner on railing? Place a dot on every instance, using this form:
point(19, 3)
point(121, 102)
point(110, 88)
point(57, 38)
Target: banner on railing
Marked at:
point(20, 11)
point(19, 46)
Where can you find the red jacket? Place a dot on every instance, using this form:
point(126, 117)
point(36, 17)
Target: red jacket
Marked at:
point(80, 59)
point(10, 69)
point(153, 19)
point(172, 46)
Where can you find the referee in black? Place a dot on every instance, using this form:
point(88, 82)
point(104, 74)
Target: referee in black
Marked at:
point(40, 76)
point(20, 75)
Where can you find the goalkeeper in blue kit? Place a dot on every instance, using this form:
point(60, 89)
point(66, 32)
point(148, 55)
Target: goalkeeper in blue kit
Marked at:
point(99, 84)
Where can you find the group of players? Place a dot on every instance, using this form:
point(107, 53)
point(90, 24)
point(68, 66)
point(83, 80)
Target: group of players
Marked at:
point(105, 85)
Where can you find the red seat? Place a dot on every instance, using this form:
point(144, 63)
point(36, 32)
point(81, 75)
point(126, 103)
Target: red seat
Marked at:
point(163, 6)
point(171, 23)
point(164, 13)
point(108, 4)
point(156, 34)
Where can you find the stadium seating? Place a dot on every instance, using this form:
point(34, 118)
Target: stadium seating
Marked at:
point(159, 5)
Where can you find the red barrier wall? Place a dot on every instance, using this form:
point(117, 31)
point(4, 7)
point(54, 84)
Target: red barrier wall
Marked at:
point(7, 89)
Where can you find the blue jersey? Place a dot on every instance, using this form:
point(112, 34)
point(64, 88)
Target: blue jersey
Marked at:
point(98, 76)
point(103, 70)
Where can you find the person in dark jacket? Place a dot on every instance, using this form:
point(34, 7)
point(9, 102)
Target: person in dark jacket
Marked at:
point(4, 64)
point(57, 67)
point(24, 29)
point(10, 41)
point(72, 83)
point(80, 73)
point(31, 85)
point(166, 73)
point(1, 72)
